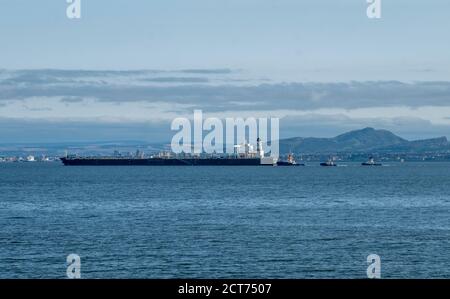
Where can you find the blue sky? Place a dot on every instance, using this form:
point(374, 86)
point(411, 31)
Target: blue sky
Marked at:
point(302, 39)
point(254, 48)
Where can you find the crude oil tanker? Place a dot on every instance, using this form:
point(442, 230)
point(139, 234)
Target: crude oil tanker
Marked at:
point(247, 158)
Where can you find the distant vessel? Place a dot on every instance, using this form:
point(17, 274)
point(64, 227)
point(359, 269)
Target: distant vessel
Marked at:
point(371, 162)
point(248, 158)
point(289, 162)
point(329, 163)
point(30, 159)
point(165, 161)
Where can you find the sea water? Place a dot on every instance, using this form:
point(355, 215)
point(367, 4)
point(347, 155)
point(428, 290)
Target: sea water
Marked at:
point(225, 222)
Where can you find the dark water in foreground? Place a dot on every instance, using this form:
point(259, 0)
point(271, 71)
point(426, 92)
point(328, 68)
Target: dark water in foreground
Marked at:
point(240, 222)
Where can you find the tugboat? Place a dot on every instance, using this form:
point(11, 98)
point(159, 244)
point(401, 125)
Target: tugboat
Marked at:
point(329, 163)
point(371, 162)
point(289, 162)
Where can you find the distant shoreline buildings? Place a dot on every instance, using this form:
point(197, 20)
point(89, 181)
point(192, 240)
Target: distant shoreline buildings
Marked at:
point(358, 146)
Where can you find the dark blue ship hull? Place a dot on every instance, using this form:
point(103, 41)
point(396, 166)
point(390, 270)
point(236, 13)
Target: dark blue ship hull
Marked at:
point(325, 164)
point(161, 162)
point(286, 163)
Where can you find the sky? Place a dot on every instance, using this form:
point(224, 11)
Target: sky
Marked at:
point(127, 68)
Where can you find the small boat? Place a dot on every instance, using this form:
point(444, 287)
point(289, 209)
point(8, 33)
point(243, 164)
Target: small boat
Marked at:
point(289, 162)
point(30, 159)
point(371, 162)
point(329, 163)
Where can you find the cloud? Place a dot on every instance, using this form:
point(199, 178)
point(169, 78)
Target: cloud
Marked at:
point(217, 94)
point(207, 71)
point(157, 96)
point(177, 80)
point(71, 99)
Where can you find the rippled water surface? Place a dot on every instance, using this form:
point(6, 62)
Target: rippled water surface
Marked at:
point(240, 222)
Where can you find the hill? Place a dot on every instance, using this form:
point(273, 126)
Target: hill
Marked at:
point(367, 140)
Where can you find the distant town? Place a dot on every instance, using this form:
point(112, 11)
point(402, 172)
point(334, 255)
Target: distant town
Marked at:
point(29, 158)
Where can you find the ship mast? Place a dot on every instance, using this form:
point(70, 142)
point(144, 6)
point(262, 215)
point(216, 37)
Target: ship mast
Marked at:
point(259, 148)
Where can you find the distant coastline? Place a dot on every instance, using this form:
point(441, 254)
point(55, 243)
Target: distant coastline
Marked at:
point(351, 146)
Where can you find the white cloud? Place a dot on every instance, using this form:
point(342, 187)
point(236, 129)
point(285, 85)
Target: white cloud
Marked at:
point(127, 98)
